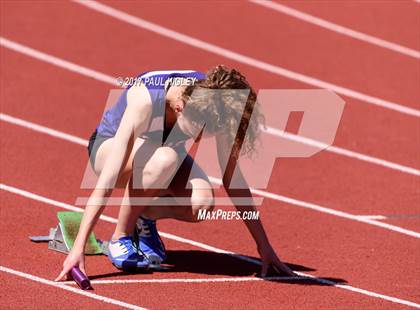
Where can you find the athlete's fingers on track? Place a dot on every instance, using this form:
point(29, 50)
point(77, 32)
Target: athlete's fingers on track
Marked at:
point(264, 269)
point(65, 272)
point(284, 269)
point(61, 276)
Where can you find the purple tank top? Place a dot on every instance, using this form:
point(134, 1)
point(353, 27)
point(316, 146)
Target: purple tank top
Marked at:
point(155, 84)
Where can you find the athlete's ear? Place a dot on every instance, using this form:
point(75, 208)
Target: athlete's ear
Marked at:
point(179, 106)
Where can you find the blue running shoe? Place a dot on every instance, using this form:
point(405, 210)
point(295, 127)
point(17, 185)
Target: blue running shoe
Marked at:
point(124, 255)
point(149, 242)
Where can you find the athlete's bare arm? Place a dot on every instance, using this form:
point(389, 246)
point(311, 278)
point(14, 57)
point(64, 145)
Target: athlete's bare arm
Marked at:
point(255, 227)
point(134, 122)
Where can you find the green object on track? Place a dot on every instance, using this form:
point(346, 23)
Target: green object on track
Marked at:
point(69, 223)
point(61, 238)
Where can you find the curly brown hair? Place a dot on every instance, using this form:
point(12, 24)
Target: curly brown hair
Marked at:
point(224, 111)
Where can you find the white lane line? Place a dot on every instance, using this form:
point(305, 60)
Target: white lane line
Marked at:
point(337, 28)
point(210, 248)
point(381, 296)
point(62, 286)
point(312, 206)
point(194, 280)
point(373, 217)
point(288, 200)
point(212, 48)
point(49, 201)
point(269, 130)
point(342, 151)
point(55, 61)
point(42, 129)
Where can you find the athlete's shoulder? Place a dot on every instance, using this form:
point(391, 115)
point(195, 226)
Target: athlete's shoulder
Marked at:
point(139, 96)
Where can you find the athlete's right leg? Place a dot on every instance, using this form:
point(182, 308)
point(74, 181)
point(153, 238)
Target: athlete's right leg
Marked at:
point(149, 168)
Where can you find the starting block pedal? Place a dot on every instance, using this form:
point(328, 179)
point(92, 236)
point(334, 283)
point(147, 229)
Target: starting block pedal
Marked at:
point(62, 237)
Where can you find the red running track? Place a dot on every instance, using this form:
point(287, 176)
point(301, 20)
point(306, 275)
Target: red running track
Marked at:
point(364, 256)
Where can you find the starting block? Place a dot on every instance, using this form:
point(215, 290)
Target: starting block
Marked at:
point(62, 237)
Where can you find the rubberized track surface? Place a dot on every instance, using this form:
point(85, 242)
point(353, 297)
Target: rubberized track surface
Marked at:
point(376, 265)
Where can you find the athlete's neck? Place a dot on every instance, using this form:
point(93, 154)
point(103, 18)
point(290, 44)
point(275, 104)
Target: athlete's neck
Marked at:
point(174, 104)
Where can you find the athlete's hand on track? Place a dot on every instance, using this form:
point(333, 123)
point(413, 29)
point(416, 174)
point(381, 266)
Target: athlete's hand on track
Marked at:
point(75, 258)
point(270, 258)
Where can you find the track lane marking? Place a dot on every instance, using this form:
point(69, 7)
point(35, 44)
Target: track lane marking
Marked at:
point(215, 49)
point(42, 129)
point(373, 217)
point(63, 205)
point(281, 198)
point(56, 61)
point(62, 286)
point(311, 19)
point(342, 151)
point(269, 130)
point(194, 280)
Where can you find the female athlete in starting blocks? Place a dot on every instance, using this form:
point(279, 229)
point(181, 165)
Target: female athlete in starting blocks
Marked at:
point(126, 151)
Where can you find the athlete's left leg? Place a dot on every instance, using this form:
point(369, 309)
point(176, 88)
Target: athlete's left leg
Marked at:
point(191, 191)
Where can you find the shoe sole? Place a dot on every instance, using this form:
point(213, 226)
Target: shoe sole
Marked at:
point(155, 260)
point(131, 268)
